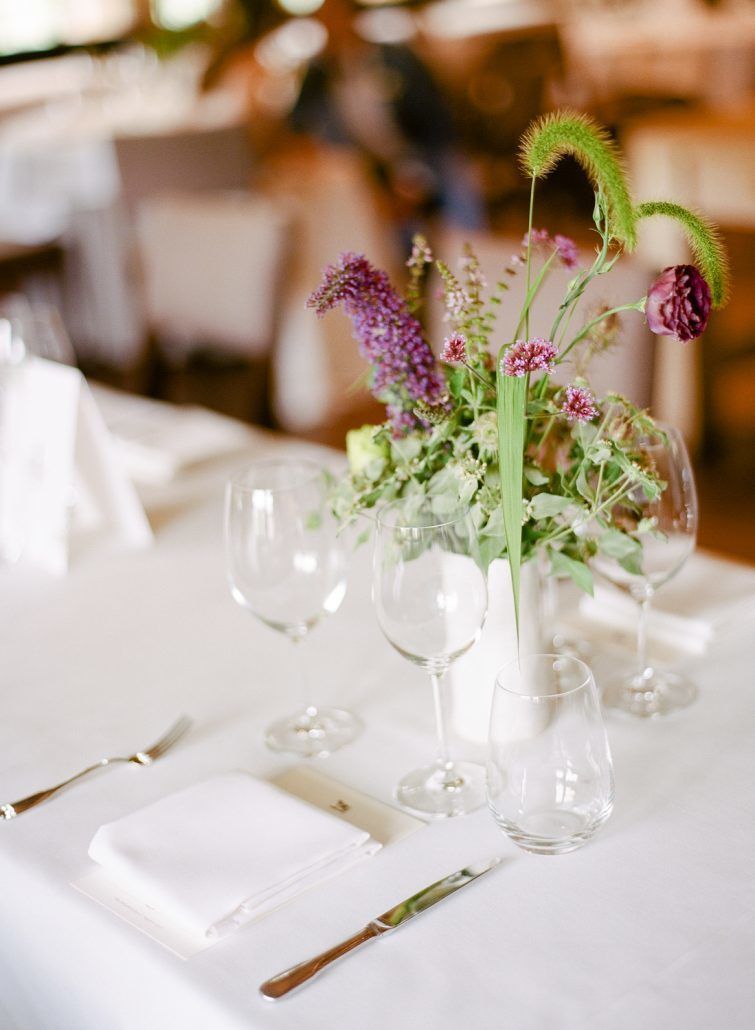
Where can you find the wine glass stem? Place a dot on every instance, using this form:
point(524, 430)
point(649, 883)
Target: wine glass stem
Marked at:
point(444, 760)
point(309, 710)
point(643, 669)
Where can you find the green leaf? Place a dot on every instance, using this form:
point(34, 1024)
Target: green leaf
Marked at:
point(535, 476)
point(625, 549)
point(512, 400)
point(599, 453)
point(543, 506)
point(616, 544)
point(490, 548)
point(562, 565)
point(583, 485)
point(456, 382)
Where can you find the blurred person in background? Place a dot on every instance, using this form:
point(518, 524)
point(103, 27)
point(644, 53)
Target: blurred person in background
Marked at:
point(364, 92)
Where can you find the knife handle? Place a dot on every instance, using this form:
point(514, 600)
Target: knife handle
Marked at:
point(294, 977)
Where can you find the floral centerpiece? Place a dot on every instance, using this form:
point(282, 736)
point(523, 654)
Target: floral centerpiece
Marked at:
point(541, 465)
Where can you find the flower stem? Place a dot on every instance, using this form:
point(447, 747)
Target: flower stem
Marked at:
point(529, 259)
point(638, 305)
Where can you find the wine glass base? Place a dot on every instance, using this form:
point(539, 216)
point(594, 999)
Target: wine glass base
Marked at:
point(441, 793)
point(314, 733)
point(650, 696)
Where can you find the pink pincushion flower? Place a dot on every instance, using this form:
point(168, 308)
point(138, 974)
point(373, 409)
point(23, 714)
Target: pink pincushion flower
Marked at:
point(565, 246)
point(579, 404)
point(536, 237)
point(529, 356)
point(454, 349)
point(678, 303)
point(567, 250)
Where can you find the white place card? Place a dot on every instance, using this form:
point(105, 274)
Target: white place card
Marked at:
point(62, 485)
point(383, 822)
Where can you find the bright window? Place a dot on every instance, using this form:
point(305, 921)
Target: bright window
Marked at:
point(179, 14)
point(28, 25)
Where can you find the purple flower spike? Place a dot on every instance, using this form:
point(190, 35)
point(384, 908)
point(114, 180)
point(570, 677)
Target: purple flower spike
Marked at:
point(529, 356)
point(579, 404)
point(678, 303)
point(567, 251)
point(404, 367)
point(454, 349)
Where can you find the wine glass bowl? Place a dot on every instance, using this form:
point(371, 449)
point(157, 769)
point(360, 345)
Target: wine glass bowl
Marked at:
point(430, 596)
point(286, 566)
point(666, 526)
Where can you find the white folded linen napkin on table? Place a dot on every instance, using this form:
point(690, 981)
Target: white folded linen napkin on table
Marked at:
point(156, 440)
point(709, 602)
point(225, 851)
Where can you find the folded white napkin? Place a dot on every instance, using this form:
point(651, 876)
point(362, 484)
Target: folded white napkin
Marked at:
point(157, 440)
point(709, 602)
point(225, 851)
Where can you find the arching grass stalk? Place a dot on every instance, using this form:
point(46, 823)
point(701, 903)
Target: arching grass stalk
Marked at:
point(704, 241)
point(567, 132)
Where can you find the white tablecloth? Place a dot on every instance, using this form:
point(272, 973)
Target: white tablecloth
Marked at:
point(652, 925)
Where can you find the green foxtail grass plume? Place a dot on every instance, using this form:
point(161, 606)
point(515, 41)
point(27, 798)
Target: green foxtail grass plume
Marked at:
point(704, 241)
point(567, 132)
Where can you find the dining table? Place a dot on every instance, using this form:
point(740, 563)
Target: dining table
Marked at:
point(651, 924)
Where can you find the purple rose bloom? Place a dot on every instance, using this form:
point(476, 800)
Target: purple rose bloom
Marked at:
point(678, 303)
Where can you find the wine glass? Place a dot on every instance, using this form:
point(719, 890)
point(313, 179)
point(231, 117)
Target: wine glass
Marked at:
point(431, 599)
point(550, 775)
point(286, 566)
point(670, 523)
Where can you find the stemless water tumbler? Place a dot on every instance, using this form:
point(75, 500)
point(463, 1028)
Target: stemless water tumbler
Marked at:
point(549, 776)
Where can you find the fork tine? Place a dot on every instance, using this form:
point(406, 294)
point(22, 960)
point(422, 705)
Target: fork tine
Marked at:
point(169, 738)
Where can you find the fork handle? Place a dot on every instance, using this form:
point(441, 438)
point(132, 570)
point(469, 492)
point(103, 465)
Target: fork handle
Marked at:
point(9, 811)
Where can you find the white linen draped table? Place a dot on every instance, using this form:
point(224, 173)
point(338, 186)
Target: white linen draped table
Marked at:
point(651, 925)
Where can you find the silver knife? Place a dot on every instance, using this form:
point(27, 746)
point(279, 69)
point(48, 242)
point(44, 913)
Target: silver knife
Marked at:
point(298, 975)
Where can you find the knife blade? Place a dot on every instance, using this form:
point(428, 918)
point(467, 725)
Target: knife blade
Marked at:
point(295, 977)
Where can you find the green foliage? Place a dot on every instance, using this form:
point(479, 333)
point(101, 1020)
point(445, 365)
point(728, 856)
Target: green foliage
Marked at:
point(578, 571)
point(512, 399)
point(534, 482)
point(704, 241)
point(567, 132)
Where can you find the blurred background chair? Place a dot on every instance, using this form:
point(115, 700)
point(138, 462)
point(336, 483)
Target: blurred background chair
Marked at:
point(212, 271)
point(197, 159)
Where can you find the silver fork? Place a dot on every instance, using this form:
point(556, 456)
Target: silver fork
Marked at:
point(146, 757)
